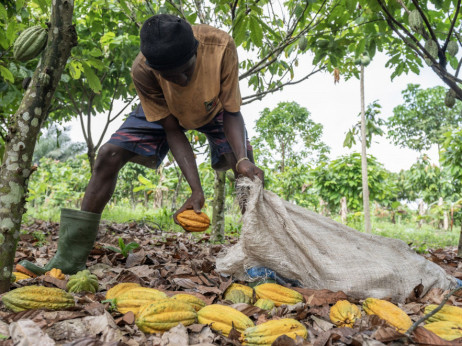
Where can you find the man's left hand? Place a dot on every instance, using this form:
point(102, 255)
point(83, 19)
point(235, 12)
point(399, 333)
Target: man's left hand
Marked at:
point(249, 170)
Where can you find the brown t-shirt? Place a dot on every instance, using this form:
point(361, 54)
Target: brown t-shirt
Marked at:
point(214, 84)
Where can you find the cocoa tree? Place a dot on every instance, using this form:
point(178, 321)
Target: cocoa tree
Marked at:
point(24, 128)
point(424, 33)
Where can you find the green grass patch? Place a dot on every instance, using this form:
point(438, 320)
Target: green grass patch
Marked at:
point(420, 239)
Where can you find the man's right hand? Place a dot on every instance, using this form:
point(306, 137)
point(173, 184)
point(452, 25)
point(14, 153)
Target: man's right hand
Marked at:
point(195, 202)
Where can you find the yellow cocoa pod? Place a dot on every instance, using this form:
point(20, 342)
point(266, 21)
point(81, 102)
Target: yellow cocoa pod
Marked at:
point(344, 314)
point(446, 313)
point(56, 273)
point(37, 297)
point(264, 304)
point(192, 222)
point(222, 318)
point(194, 301)
point(133, 299)
point(20, 276)
point(280, 295)
point(160, 316)
point(447, 330)
point(266, 333)
point(118, 289)
point(238, 296)
point(388, 312)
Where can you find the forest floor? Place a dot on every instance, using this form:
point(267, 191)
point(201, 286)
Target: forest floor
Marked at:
point(180, 262)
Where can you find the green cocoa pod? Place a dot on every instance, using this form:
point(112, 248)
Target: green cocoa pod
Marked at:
point(30, 43)
point(238, 296)
point(302, 43)
point(452, 48)
point(358, 61)
point(365, 60)
point(450, 99)
point(83, 281)
point(415, 21)
point(432, 48)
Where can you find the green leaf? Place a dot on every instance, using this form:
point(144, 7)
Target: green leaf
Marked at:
point(92, 78)
point(256, 32)
point(42, 4)
point(6, 74)
point(143, 180)
point(121, 243)
point(3, 12)
point(75, 69)
point(240, 28)
point(11, 32)
point(131, 246)
point(112, 248)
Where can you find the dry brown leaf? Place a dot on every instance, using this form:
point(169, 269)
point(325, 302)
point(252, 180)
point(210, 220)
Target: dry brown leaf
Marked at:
point(56, 282)
point(135, 259)
point(177, 336)
point(26, 333)
point(203, 337)
point(386, 334)
point(423, 336)
point(284, 340)
point(321, 297)
point(321, 324)
point(247, 309)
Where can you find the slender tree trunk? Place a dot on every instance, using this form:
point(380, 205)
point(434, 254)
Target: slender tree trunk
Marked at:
point(283, 154)
point(421, 213)
point(218, 218)
point(343, 209)
point(91, 153)
point(177, 191)
point(366, 207)
point(24, 129)
point(322, 207)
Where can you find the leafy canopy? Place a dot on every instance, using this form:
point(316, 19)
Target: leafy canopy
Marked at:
point(423, 118)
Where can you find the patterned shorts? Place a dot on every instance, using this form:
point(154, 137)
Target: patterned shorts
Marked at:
point(149, 142)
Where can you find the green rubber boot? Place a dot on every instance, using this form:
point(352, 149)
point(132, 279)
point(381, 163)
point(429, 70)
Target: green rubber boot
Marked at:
point(77, 234)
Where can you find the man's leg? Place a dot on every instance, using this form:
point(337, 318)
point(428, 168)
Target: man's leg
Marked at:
point(111, 158)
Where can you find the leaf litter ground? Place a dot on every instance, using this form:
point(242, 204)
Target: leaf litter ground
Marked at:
point(180, 262)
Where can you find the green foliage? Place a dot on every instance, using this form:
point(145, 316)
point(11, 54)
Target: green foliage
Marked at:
point(14, 18)
point(57, 183)
point(409, 46)
point(124, 249)
point(342, 178)
point(373, 126)
point(286, 135)
point(429, 181)
point(55, 143)
point(423, 118)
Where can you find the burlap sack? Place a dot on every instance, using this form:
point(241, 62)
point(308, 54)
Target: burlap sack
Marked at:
point(320, 253)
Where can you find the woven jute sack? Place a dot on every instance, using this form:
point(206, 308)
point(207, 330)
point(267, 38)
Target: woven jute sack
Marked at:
point(323, 254)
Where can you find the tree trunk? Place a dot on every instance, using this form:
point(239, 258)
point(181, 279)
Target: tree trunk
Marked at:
point(218, 218)
point(322, 207)
point(440, 206)
point(24, 129)
point(343, 210)
point(177, 191)
point(367, 213)
point(91, 153)
point(421, 213)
